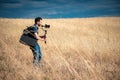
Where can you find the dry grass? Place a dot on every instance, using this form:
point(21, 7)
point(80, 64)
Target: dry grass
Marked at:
point(77, 49)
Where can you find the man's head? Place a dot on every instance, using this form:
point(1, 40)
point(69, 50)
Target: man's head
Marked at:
point(38, 21)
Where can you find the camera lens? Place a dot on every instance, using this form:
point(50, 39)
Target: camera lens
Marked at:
point(47, 26)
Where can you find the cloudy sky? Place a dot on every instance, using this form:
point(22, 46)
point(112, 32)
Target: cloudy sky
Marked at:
point(58, 8)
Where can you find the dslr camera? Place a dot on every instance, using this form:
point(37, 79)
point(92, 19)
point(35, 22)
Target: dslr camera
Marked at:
point(46, 26)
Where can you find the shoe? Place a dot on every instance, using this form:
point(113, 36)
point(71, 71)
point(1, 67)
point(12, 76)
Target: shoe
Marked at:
point(35, 61)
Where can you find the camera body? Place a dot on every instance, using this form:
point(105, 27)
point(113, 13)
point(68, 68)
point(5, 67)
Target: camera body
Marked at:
point(46, 26)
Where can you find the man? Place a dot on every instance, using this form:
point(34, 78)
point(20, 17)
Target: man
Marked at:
point(36, 49)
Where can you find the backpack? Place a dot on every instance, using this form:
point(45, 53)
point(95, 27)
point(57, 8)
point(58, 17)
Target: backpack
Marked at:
point(28, 37)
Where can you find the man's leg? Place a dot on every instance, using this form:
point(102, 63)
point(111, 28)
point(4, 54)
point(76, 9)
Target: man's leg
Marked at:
point(37, 54)
point(33, 51)
point(40, 54)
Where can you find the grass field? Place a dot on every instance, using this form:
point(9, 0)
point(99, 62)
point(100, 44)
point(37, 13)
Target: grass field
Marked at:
point(76, 49)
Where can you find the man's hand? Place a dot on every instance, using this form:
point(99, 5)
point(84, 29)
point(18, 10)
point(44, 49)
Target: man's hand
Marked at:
point(39, 38)
point(43, 39)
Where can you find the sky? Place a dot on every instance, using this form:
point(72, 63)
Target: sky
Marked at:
point(59, 8)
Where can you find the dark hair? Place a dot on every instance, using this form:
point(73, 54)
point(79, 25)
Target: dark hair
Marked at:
point(37, 19)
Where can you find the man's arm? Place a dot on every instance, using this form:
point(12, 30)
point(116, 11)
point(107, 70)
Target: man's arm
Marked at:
point(39, 38)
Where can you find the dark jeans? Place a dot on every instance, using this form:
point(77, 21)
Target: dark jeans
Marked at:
point(36, 53)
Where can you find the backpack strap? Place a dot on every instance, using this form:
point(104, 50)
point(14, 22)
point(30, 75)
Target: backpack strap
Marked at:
point(28, 31)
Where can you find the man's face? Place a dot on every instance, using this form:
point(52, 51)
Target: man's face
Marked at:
point(39, 23)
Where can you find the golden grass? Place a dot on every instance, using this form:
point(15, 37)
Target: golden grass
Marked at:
point(76, 49)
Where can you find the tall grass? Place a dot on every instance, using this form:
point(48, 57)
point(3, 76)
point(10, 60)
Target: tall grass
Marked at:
point(76, 49)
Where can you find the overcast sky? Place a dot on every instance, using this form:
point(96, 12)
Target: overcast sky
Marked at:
point(58, 8)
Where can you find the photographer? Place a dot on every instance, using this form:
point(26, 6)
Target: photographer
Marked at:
point(36, 49)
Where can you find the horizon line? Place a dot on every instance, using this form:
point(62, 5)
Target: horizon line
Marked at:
point(59, 18)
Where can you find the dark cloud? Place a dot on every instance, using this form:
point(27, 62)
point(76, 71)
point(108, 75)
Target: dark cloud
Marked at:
point(9, 1)
point(58, 8)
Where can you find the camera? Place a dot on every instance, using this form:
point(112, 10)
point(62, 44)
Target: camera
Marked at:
point(46, 26)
